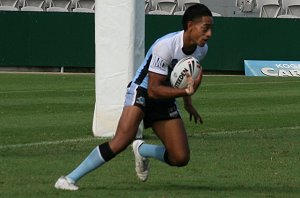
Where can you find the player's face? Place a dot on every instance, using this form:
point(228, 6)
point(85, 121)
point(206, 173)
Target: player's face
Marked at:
point(201, 30)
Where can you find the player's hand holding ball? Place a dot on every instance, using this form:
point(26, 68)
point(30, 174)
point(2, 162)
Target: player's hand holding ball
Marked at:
point(190, 84)
point(187, 73)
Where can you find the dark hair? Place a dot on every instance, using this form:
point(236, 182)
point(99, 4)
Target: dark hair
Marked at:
point(195, 11)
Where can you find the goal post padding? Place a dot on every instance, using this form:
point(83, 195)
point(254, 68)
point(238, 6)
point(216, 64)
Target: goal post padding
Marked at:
point(119, 42)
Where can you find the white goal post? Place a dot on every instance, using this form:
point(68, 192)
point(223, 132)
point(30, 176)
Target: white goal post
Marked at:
point(119, 42)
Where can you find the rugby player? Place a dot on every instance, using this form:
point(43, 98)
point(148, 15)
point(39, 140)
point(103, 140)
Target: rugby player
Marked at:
point(150, 98)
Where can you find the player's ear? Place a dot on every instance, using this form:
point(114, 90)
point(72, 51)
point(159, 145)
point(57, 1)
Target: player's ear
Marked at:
point(189, 25)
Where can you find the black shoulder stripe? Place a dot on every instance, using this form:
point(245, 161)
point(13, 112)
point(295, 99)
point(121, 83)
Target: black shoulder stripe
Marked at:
point(144, 72)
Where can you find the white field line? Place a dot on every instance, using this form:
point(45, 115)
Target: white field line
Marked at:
point(204, 84)
point(46, 73)
point(248, 131)
point(44, 90)
point(45, 143)
point(249, 83)
point(89, 139)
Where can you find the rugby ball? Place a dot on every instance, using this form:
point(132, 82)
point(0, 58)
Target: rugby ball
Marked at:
point(178, 75)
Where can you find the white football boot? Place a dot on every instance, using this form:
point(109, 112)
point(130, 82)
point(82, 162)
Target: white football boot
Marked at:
point(64, 183)
point(141, 163)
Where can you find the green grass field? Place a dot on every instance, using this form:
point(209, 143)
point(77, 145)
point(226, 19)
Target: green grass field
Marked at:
point(248, 146)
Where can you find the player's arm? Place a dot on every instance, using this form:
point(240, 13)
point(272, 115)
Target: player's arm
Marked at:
point(157, 75)
point(198, 80)
point(187, 100)
point(157, 89)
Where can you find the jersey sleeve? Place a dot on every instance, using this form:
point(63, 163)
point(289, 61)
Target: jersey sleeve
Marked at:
point(161, 59)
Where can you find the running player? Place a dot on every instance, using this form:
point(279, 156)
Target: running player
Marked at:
point(150, 98)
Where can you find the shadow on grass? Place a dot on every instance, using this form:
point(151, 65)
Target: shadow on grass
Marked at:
point(241, 188)
point(193, 188)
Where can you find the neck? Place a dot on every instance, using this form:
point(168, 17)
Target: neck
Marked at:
point(189, 45)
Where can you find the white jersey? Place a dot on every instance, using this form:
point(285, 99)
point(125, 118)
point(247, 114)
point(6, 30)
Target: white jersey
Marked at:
point(163, 55)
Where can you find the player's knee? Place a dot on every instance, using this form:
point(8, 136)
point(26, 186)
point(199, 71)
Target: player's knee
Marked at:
point(182, 161)
point(119, 143)
point(179, 160)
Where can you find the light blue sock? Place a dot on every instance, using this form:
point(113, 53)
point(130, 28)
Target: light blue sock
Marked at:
point(93, 161)
point(154, 151)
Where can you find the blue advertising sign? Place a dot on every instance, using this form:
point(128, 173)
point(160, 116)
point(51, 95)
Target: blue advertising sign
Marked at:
point(272, 68)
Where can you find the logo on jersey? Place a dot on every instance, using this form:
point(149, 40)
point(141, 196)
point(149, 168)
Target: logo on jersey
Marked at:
point(159, 64)
point(173, 113)
point(140, 100)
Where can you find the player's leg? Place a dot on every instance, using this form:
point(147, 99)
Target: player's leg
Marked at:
point(132, 116)
point(125, 134)
point(175, 150)
point(173, 135)
point(127, 128)
point(164, 118)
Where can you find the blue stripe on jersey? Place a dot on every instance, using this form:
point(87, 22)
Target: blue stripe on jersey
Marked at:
point(143, 72)
point(141, 75)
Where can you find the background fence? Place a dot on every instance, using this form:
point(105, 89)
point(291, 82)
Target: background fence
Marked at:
point(67, 39)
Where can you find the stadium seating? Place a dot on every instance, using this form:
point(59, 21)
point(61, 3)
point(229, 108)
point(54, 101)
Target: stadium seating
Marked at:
point(188, 3)
point(58, 5)
point(159, 12)
point(49, 5)
point(287, 16)
point(182, 4)
point(153, 4)
point(32, 8)
point(284, 4)
point(170, 7)
point(292, 7)
point(83, 6)
point(57, 9)
point(147, 6)
point(252, 8)
point(259, 4)
point(33, 5)
point(167, 5)
point(8, 8)
point(246, 5)
point(175, 7)
point(216, 14)
point(9, 5)
point(180, 12)
point(87, 10)
point(270, 8)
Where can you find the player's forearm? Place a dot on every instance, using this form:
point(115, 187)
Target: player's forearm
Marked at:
point(165, 92)
point(187, 100)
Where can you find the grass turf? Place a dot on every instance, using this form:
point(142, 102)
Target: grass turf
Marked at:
point(248, 145)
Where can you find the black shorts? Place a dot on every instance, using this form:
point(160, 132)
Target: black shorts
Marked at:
point(155, 110)
point(136, 96)
point(160, 110)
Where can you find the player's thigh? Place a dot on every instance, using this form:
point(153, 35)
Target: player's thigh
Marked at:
point(173, 135)
point(131, 117)
point(127, 128)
